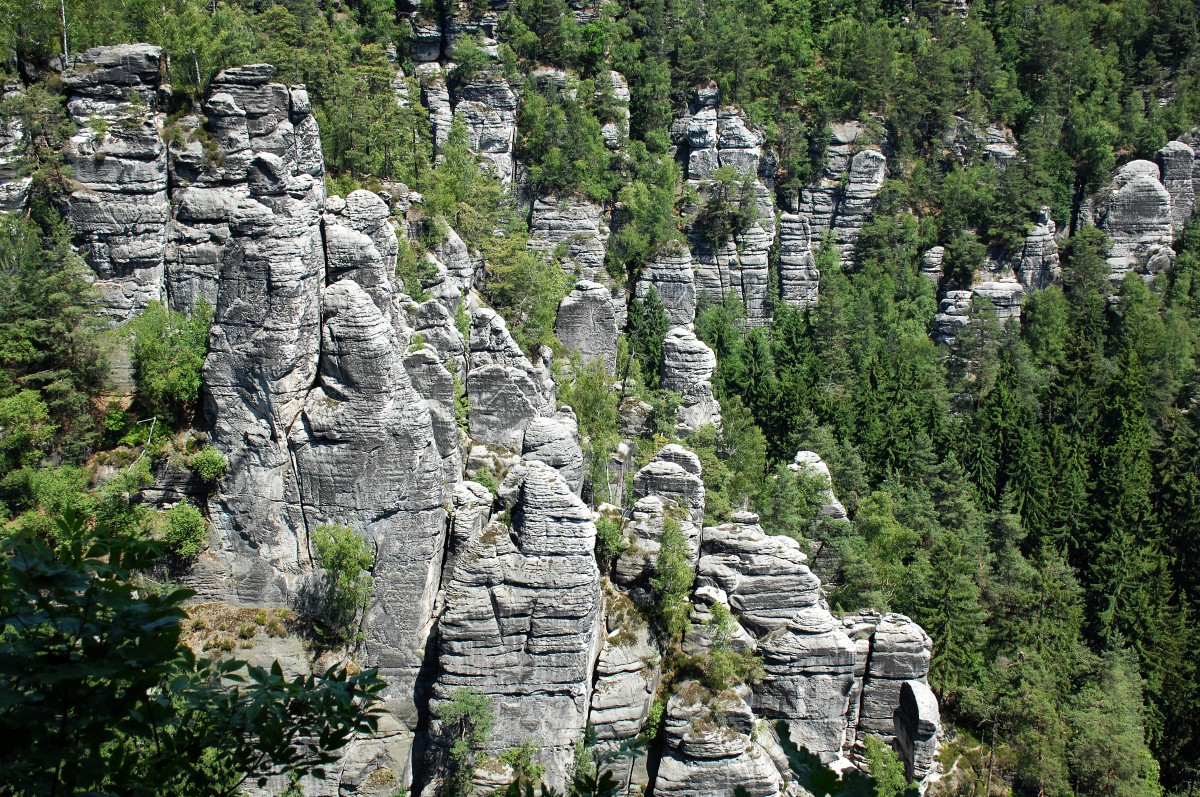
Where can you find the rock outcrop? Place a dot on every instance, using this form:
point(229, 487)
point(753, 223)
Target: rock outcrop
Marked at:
point(555, 441)
point(809, 675)
point(487, 108)
point(811, 464)
point(899, 650)
point(14, 186)
point(587, 323)
point(916, 724)
point(572, 231)
point(1177, 161)
point(688, 365)
point(119, 211)
point(840, 203)
point(521, 619)
point(799, 278)
point(740, 264)
point(1137, 216)
point(1037, 265)
point(710, 747)
point(672, 278)
point(766, 578)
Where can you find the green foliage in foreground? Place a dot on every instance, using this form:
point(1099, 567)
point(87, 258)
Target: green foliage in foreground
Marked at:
point(209, 464)
point(99, 696)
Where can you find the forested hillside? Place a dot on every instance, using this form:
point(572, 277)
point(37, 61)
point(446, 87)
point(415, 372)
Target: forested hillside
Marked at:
point(570, 285)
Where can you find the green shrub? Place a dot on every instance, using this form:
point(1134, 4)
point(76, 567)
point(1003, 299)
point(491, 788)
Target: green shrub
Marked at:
point(467, 720)
point(209, 464)
point(347, 585)
point(610, 543)
point(672, 581)
point(186, 530)
point(168, 359)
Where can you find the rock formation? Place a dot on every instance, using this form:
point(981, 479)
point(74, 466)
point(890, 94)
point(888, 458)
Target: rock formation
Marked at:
point(521, 619)
point(839, 204)
point(799, 278)
point(688, 365)
point(119, 211)
point(1136, 215)
point(572, 231)
point(587, 323)
point(671, 276)
point(339, 399)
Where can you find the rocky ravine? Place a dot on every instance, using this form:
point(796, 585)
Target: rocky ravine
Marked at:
point(332, 394)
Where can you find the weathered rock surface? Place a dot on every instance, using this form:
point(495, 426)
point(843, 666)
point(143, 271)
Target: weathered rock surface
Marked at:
point(899, 651)
point(688, 365)
point(766, 577)
point(487, 107)
point(799, 278)
point(555, 441)
point(953, 314)
point(120, 210)
point(572, 231)
point(435, 96)
point(1037, 265)
point(709, 746)
point(263, 355)
point(521, 620)
point(1005, 294)
point(1137, 216)
point(916, 722)
point(14, 187)
point(671, 276)
point(365, 455)
point(626, 678)
point(741, 264)
point(809, 676)
point(674, 475)
point(246, 116)
point(1177, 161)
point(810, 463)
point(587, 323)
point(839, 205)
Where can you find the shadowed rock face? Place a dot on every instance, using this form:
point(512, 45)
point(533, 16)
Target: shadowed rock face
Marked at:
point(521, 619)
